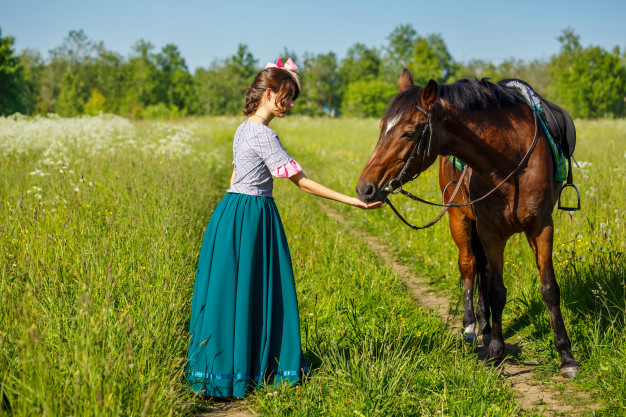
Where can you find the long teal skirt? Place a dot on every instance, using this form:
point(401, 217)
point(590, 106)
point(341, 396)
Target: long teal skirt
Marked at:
point(244, 328)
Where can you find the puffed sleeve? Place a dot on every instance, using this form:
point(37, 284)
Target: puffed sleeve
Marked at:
point(290, 169)
point(272, 152)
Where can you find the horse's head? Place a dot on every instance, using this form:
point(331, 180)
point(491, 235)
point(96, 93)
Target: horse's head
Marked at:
point(403, 148)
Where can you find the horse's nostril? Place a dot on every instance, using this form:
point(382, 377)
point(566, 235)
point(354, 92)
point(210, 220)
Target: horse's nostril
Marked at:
point(366, 190)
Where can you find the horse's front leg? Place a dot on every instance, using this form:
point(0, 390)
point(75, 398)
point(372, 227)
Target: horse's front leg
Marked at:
point(494, 244)
point(542, 243)
point(483, 312)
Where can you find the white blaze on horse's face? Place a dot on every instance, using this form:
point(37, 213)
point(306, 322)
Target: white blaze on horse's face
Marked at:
point(391, 123)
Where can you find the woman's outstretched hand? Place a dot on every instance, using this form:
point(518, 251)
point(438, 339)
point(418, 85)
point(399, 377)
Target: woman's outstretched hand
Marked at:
point(360, 204)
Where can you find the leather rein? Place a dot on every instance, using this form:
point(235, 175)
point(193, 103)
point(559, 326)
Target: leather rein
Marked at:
point(426, 135)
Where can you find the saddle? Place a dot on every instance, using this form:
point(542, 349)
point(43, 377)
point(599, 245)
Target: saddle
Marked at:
point(560, 125)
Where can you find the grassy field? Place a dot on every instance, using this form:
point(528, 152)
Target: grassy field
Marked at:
point(101, 221)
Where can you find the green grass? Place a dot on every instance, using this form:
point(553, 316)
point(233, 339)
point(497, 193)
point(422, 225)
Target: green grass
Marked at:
point(97, 275)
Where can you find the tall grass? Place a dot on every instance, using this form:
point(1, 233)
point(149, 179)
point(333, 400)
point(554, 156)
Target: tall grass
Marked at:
point(100, 226)
point(99, 232)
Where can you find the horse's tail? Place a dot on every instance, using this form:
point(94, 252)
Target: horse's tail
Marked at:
point(481, 259)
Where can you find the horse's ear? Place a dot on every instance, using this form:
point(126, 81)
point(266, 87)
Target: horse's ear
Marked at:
point(406, 80)
point(430, 94)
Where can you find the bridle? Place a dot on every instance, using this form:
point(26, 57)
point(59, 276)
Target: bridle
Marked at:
point(427, 134)
point(417, 149)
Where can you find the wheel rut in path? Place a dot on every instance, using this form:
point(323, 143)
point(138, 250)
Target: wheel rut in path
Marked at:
point(531, 393)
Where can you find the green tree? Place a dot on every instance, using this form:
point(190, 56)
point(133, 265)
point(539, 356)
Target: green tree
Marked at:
point(176, 83)
point(398, 51)
point(597, 84)
point(360, 63)
point(368, 98)
point(140, 79)
point(14, 95)
point(73, 58)
point(477, 68)
point(71, 98)
point(430, 59)
point(33, 68)
point(106, 74)
point(321, 85)
point(222, 87)
point(97, 103)
point(426, 56)
point(589, 82)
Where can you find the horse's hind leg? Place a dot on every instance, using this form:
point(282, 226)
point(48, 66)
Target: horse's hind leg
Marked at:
point(541, 244)
point(461, 230)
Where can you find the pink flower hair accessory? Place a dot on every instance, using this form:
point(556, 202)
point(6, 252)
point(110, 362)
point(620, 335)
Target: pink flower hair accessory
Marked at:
point(288, 66)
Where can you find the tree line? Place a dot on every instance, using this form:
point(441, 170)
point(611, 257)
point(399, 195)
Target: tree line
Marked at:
point(82, 77)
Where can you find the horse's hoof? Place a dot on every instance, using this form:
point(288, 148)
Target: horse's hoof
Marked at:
point(469, 333)
point(493, 365)
point(570, 371)
point(470, 338)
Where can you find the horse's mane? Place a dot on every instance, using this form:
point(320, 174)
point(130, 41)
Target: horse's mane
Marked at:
point(466, 95)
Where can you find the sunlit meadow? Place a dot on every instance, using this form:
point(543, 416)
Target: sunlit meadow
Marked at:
point(101, 221)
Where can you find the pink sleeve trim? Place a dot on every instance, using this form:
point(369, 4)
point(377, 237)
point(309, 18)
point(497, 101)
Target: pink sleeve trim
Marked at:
point(290, 169)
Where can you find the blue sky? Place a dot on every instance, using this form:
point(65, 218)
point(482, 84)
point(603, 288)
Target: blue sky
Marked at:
point(208, 30)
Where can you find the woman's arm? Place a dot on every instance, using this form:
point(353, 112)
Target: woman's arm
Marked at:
point(232, 178)
point(317, 189)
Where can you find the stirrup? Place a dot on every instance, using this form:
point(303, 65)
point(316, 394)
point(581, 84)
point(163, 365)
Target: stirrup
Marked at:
point(561, 207)
point(569, 183)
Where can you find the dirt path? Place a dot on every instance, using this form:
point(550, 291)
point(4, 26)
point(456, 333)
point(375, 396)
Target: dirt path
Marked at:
point(555, 397)
point(227, 409)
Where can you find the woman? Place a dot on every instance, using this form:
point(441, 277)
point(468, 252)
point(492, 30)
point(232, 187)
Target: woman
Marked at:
point(244, 324)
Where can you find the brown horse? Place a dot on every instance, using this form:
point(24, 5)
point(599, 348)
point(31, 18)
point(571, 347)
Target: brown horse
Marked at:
point(492, 129)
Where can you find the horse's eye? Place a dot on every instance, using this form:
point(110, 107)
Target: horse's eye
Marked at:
point(408, 134)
